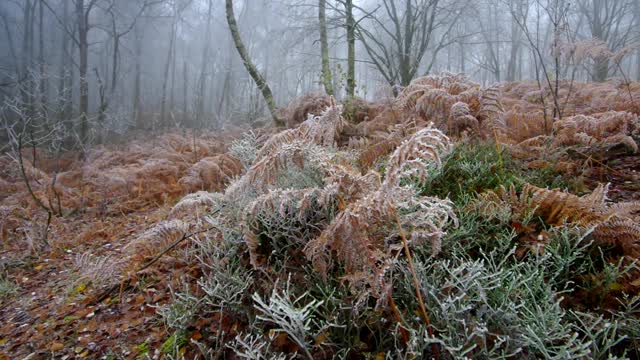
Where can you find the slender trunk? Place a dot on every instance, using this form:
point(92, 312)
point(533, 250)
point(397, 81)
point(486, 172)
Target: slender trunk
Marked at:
point(114, 64)
point(324, 48)
point(167, 67)
point(515, 47)
point(43, 68)
point(251, 68)
point(172, 90)
point(10, 43)
point(26, 90)
point(600, 69)
point(636, 10)
point(351, 50)
point(63, 91)
point(203, 69)
point(83, 45)
point(463, 65)
point(137, 81)
point(225, 89)
point(185, 90)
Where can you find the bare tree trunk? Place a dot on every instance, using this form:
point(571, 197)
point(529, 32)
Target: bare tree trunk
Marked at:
point(185, 90)
point(515, 49)
point(63, 91)
point(636, 9)
point(324, 48)
point(137, 81)
point(203, 69)
point(83, 46)
point(167, 68)
point(225, 89)
point(172, 90)
point(463, 66)
point(351, 50)
point(251, 68)
point(26, 90)
point(10, 42)
point(43, 76)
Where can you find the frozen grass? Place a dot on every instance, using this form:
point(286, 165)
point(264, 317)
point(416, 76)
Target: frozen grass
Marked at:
point(489, 294)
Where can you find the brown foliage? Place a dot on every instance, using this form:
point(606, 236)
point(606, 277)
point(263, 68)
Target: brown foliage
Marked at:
point(299, 109)
point(360, 237)
point(211, 173)
point(614, 224)
point(610, 128)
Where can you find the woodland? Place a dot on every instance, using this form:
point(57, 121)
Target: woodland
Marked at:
point(320, 179)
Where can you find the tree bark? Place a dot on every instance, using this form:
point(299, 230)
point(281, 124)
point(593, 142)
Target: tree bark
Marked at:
point(64, 90)
point(251, 68)
point(203, 67)
point(26, 89)
point(44, 83)
point(185, 91)
point(167, 68)
point(324, 48)
point(636, 9)
point(351, 50)
point(516, 36)
point(137, 81)
point(83, 46)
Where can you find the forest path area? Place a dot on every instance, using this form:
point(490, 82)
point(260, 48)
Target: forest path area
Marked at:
point(54, 311)
point(622, 172)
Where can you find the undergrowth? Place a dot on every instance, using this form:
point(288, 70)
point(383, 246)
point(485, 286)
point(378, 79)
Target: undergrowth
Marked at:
point(501, 285)
point(474, 167)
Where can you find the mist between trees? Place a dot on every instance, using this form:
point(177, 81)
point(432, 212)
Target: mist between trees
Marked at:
point(97, 68)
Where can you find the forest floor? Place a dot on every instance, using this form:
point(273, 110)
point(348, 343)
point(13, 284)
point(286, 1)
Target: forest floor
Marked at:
point(67, 299)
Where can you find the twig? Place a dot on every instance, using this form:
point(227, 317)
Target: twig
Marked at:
point(416, 284)
point(146, 265)
point(591, 158)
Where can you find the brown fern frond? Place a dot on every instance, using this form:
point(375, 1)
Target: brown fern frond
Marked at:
point(472, 97)
point(461, 120)
point(290, 215)
point(263, 174)
point(156, 238)
point(490, 105)
point(276, 140)
point(610, 128)
point(558, 207)
point(415, 155)
point(435, 105)
point(195, 205)
point(326, 128)
point(101, 271)
point(211, 173)
point(613, 223)
point(384, 142)
point(519, 126)
point(300, 109)
point(374, 152)
point(624, 233)
point(363, 238)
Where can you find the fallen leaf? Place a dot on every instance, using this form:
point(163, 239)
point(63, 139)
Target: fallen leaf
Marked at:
point(56, 346)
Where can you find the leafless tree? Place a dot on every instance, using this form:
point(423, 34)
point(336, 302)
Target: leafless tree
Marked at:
point(407, 31)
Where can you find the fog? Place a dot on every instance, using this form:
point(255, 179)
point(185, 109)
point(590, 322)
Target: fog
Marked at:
point(153, 64)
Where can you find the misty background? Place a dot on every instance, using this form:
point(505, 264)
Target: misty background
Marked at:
point(158, 64)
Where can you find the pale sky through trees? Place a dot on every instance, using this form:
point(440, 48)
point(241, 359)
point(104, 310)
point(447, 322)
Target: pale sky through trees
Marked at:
point(174, 62)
